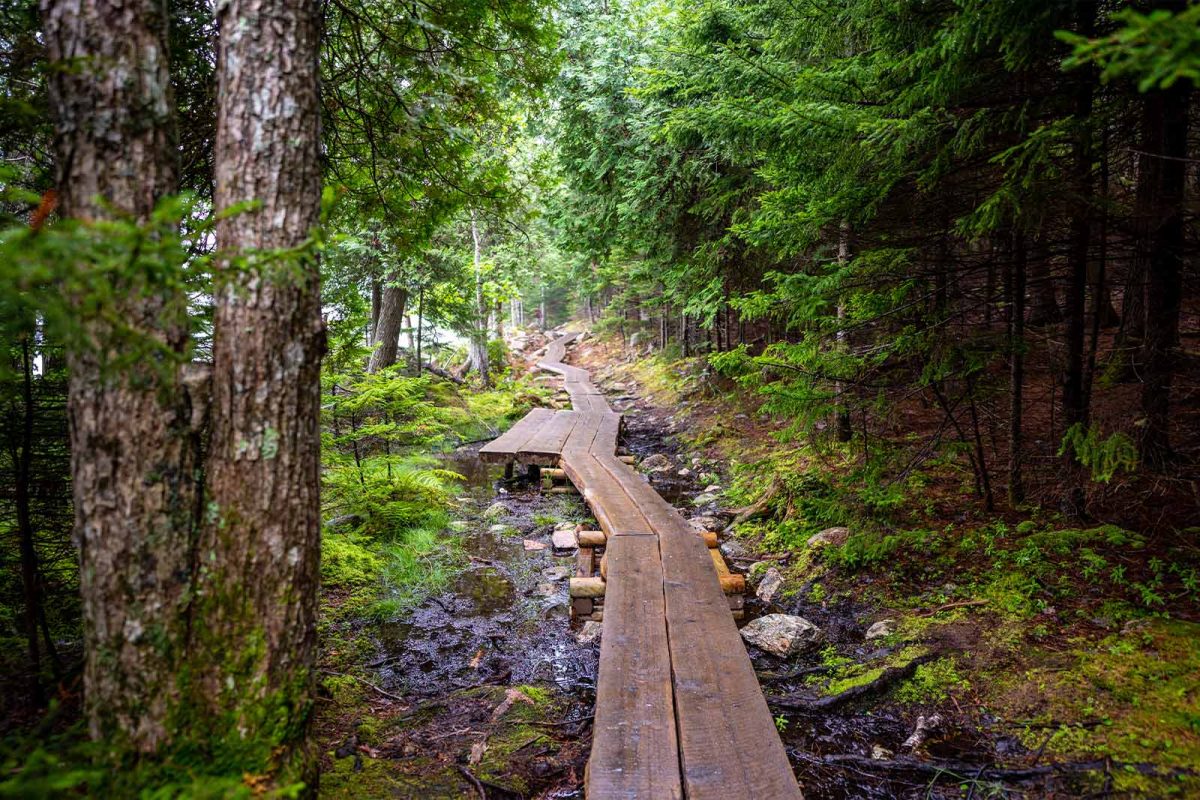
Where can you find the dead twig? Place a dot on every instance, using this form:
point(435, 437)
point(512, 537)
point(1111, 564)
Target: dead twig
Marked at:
point(948, 606)
point(466, 773)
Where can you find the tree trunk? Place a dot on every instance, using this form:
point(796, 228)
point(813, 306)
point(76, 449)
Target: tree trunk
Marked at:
point(22, 460)
point(477, 354)
point(132, 447)
point(255, 615)
point(842, 427)
point(1075, 398)
point(1016, 382)
point(391, 321)
point(376, 307)
point(420, 323)
point(1164, 140)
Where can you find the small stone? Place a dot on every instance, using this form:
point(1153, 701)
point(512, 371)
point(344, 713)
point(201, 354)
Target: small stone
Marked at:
point(829, 536)
point(459, 525)
point(545, 590)
point(770, 586)
point(881, 629)
point(655, 463)
point(733, 549)
point(495, 510)
point(706, 522)
point(684, 473)
point(589, 633)
point(530, 544)
point(782, 635)
point(563, 540)
point(499, 529)
point(558, 573)
point(881, 753)
point(704, 499)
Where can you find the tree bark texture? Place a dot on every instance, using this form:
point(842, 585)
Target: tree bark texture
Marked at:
point(133, 447)
point(260, 544)
point(387, 330)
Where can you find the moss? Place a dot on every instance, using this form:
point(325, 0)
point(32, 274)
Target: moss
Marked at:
point(932, 683)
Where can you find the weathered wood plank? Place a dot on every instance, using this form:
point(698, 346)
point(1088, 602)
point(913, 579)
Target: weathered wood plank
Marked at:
point(635, 752)
point(506, 446)
point(545, 446)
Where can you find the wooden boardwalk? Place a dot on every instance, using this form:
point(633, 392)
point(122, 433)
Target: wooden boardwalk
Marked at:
point(679, 712)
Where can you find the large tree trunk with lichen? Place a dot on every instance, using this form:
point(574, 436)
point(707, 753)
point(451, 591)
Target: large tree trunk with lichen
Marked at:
point(133, 445)
point(260, 547)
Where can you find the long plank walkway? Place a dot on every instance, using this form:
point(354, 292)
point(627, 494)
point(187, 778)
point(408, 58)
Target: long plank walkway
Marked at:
point(679, 712)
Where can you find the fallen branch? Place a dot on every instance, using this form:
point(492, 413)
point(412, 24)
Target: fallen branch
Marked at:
point(756, 509)
point(368, 684)
point(890, 676)
point(466, 773)
point(948, 606)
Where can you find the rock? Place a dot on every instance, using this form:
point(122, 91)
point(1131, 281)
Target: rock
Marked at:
point(558, 573)
point(770, 586)
point(589, 633)
point(499, 529)
point(459, 525)
point(495, 510)
point(563, 540)
point(344, 521)
point(684, 473)
point(635, 340)
point(705, 522)
point(704, 499)
point(545, 590)
point(706, 477)
point(829, 536)
point(530, 544)
point(885, 627)
point(655, 463)
point(881, 753)
point(782, 635)
point(734, 549)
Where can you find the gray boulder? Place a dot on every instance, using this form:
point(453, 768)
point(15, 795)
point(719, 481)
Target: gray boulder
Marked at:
point(782, 635)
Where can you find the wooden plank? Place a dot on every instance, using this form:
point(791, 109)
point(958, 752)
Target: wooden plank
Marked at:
point(610, 505)
point(545, 446)
point(727, 736)
point(506, 446)
point(634, 744)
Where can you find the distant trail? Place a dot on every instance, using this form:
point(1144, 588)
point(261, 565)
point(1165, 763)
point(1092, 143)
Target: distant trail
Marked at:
point(679, 711)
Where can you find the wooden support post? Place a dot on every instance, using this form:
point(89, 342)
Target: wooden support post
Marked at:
point(586, 587)
point(628, 459)
point(563, 490)
point(591, 538)
point(554, 474)
point(508, 470)
point(584, 564)
point(730, 583)
point(710, 538)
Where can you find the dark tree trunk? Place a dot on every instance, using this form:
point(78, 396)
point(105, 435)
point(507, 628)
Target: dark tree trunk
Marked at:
point(132, 447)
point(30, 582)
point(1016, 483)
point(257, 602)
point(387, 331)
point(1075, 399)
point(1164, 140)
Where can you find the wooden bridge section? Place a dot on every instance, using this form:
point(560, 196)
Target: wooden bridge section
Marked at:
point(679, 712)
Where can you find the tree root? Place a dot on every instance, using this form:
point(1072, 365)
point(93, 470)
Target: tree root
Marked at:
point(890, 676)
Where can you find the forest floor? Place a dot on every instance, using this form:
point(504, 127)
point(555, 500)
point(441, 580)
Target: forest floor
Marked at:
point(1044, 660)
point(1033, 677)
